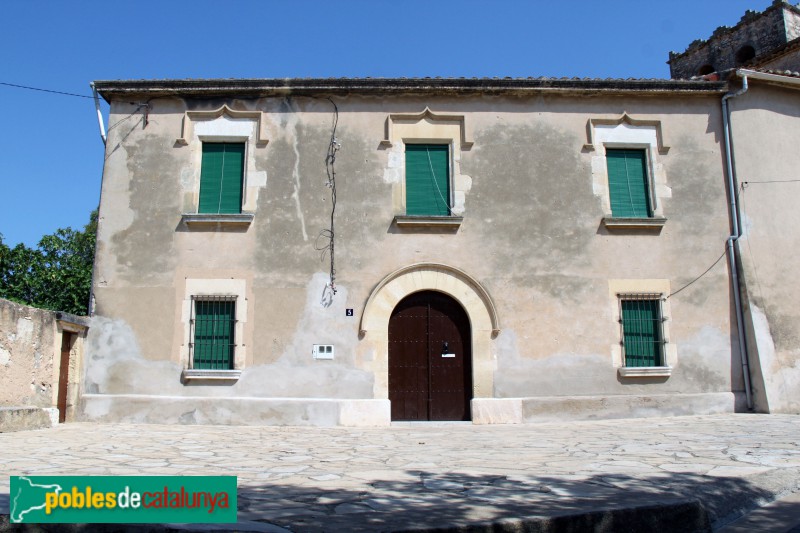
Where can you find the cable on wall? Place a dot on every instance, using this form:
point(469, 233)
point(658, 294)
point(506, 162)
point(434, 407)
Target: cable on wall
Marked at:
point(746, 183)
point(739, 193)
point(698, 277)
point(326, 238)
point(433, 176)
point(741, 190)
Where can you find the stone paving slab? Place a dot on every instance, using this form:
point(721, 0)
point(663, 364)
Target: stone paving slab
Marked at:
point(682, 473)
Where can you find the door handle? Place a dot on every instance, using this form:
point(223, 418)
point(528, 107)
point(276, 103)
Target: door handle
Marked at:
point(446, 350)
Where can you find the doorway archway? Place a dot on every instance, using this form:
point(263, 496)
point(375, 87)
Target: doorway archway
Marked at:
point(455, 283)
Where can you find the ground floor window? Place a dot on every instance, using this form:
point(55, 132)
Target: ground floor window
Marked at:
point(642, 334)
point(213, 325)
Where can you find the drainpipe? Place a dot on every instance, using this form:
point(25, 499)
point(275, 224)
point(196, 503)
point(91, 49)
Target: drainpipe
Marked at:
point(99, 114)
point(734, 210)
point(90, 309)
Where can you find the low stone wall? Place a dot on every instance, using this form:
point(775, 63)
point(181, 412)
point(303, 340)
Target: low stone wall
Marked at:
point(22, 418)
point(30, 365)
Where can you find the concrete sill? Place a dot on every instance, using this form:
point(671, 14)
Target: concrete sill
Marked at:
point(204, 219)
point(210, 375)
point(652, 223)
point(645, 371)
point(422, 221)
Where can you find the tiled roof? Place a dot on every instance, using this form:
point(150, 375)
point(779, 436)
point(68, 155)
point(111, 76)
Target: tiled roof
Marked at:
point(789, 73)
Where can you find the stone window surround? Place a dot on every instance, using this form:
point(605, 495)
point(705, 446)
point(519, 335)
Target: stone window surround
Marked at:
point(617, 287)
point(197, 288)
point(628, 132)
point(223, 125)
point(427, 127)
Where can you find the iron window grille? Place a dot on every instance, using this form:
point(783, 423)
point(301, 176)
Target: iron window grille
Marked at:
point(641, 329)
point(212, 343)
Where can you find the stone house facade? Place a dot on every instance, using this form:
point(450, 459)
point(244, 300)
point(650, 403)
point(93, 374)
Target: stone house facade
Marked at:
point(362, 251)
point(539, 251)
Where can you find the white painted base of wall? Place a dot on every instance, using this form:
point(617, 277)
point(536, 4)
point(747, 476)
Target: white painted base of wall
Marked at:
point(557, 409)
point(52, 412)
point(135, 408)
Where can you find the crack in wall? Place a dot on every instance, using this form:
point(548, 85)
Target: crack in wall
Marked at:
point(291, 128)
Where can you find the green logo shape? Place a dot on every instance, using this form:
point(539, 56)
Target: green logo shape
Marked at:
point(122, 499)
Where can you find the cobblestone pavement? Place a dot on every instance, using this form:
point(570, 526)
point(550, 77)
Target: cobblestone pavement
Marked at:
point(443, 475)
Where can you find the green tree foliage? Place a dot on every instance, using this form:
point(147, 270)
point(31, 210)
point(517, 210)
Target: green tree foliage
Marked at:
point(56, 275)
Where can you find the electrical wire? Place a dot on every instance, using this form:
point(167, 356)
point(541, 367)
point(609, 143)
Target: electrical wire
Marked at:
point(330, 169)
point(433, 175)
point(44, 90)
point(747, 241)
point(746, 183)
point(123, 119)
point(698, 277)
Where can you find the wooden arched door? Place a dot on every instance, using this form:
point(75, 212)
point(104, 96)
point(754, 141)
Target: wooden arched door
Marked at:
point(430, 359)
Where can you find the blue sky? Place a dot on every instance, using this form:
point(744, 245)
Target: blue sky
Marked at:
point(53, 156)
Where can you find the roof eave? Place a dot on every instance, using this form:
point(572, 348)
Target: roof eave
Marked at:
point(381, 86)
point(770, 77)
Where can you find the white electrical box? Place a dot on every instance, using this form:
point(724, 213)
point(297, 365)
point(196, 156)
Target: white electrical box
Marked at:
point(323, 351)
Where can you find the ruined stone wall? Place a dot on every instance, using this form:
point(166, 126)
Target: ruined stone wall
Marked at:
point(28, 356)
point(30, 365)
point(786, 62)
point(764, 32)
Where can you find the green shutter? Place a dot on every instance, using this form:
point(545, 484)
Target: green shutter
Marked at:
point(641, 329)
point(221, 178)
point(627, 183)
point(214, 323)
point(427, 179)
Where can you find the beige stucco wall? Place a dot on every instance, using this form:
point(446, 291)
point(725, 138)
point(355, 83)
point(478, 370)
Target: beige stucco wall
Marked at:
point(766, 135)
point(30, 357)
point(532, 237)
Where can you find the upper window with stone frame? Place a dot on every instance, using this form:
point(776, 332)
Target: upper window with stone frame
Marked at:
point(221, 178)
point(428, 180)
point(226, 182)
point(629, 185)
point(424, 166)
point(627, 172)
